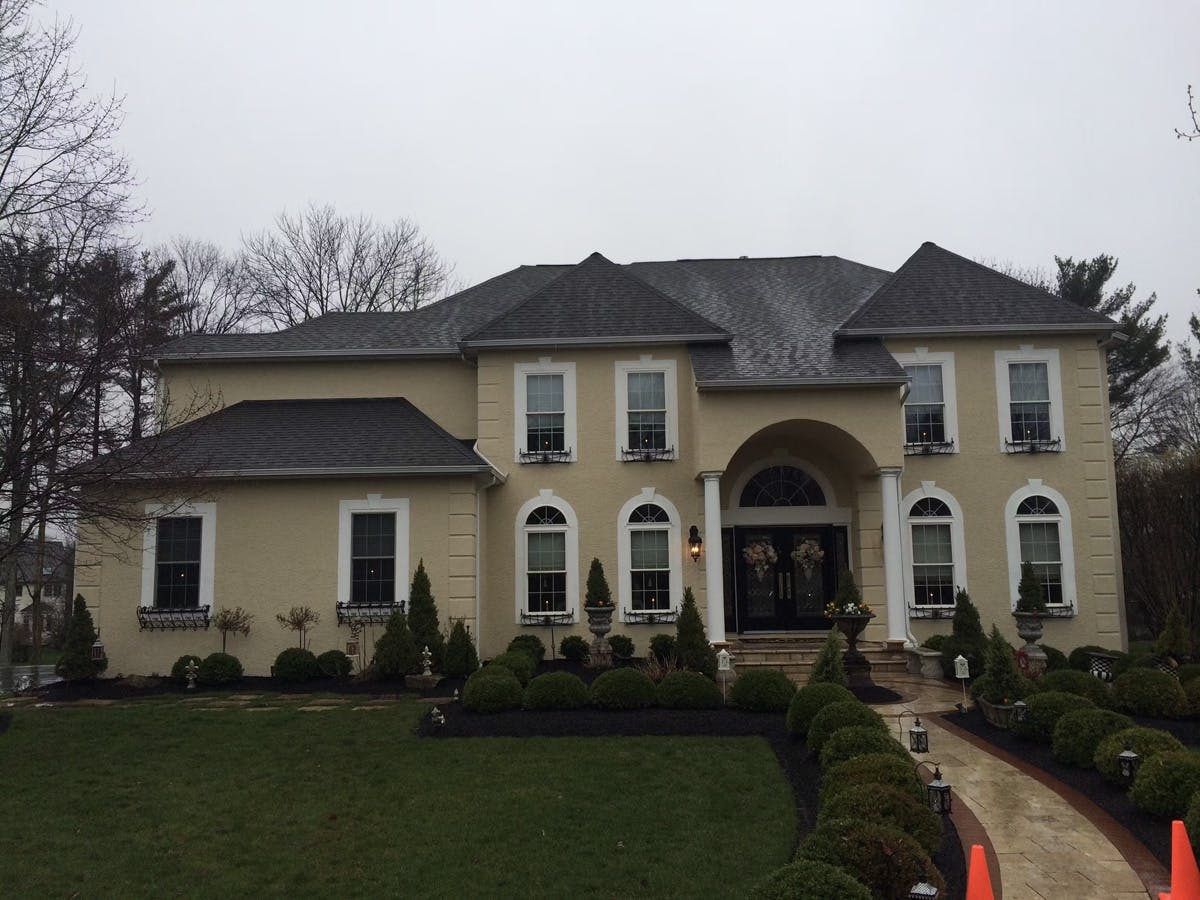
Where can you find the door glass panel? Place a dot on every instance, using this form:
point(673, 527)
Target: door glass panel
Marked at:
point(759, 557)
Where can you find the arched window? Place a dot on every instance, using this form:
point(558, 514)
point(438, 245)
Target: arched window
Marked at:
point(1038, 528)
point(933, 542)
point(547, 558)
point(782, 486)
point(649, 555)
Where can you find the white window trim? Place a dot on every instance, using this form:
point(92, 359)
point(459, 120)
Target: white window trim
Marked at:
point(374, 503)
point(544, 366)
point(1066, 545)
point(625, 554)
point(785, 515)
point(207, 512)
point(1028, 353)
point(546, 497)
point(646, 363)
point(922, 357)
point(958, 544)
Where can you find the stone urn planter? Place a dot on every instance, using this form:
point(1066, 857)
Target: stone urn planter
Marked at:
point(858, 668)
point(1031, 657)
point(998, 715)
point(600, 624)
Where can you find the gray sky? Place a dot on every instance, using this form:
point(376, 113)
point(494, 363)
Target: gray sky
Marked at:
point(523, 133)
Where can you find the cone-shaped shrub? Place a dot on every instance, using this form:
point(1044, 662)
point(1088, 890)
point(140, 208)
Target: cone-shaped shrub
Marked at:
point(396, 653)
point(691, 646)
point(423, 618)
point(966, 637)
point(828, 668)
point(597, 593)
point(1030, 596)
point(76, 663)
point(461, 659)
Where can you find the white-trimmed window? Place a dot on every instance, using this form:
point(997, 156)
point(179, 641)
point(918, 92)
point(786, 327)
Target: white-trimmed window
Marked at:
point(649, 555)
point(547, 534)
point(373, 551)
point(178, 556)
point(647, 425)
point(1039, 533)
point(934, 547)
point(544, 404)
point(1029, 397)
point(930, 409)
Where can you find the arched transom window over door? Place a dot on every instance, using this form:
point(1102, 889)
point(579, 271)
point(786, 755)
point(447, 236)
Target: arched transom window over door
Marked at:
point(782, 486)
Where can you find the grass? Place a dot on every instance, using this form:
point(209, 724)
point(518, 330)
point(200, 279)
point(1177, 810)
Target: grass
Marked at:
point(157, 798)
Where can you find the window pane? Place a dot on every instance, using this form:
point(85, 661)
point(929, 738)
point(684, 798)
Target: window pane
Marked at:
point(647, 390)
point(544, 393)
point(1039, 542)
point(933, 585)
point(926, 384)
point(931, 544)
point(546, 515)
point(178, 539)
point(924, 424)
point(545, 431)
point(547, 591)
point(1028, 381)
point(1030, 421)
point(547, 552)
point(1037, 506)
point(647, 431)
point(651, 590)
point(649, 550)
point(177, 562)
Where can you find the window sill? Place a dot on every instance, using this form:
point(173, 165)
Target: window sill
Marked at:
point(546, 456)
point(930, 448)
point(366, 613)
point(650, 616)
point(1052, 446)
point(1062, 611)
point(635, 455)
point(547, 619)
point(931, 612)
point(151, 618)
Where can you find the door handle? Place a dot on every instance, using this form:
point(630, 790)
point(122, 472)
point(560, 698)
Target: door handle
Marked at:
point(780, 577)
point(789, 586)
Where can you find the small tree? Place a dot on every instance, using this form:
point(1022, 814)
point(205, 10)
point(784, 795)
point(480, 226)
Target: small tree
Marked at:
point(299, 619)
point(848, 598)
point(828, 668)
point(1030, 596)
point(423, 617)
point(1173, 641)
point(235, 620)
point(76, 663)
point(1000, 682)
point(396, 653)
point(966, 639)
point(461, 658)
point(598, 593)
point(691, 646)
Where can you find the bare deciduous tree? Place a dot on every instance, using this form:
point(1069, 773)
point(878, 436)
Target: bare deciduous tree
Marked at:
point(1194, 132)
point(318, 261)
point(211, 285)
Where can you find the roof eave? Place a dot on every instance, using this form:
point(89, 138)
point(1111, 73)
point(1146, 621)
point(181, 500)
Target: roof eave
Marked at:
point(287, 355)
point(733, 384)
point(322, 472)
point(616, 341)
point(981, 330)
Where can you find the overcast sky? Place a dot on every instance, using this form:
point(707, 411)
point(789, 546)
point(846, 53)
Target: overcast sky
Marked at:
point(524, 133)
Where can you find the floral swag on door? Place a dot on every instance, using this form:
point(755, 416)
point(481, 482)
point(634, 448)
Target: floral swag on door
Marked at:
point(760, 556)
point(808, 556)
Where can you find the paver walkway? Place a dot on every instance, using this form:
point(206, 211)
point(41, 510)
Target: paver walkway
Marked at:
point(1046, 850)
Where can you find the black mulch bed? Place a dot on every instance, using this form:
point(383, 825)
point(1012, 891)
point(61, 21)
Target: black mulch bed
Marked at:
point(1153, 832)
point(5, 721)
point(799, 766)
point(131, 689)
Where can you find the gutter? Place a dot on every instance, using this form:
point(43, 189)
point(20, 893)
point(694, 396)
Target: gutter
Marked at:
point(734, 384)
point(317, 472)
point(285, 355)
point(619, 340)
point(981, 330)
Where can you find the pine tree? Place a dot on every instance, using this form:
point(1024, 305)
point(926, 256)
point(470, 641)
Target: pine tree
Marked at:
point(598, 593)
point(76, 663)
point(828, 668)
point(423, 618)
point(691, 646)
point(966, 639)
point(1030, 596)
point(396, 653)
point(1000, 682)
point(461, 659)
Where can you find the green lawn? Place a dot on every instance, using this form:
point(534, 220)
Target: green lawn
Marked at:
point(157, 799)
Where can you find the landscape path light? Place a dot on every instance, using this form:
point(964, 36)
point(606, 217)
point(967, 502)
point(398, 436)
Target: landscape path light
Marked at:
point(1020, 711)
point(962, 671)
point(923, 890)
point(918, 737)
point(1128, 762)
point(937, 792)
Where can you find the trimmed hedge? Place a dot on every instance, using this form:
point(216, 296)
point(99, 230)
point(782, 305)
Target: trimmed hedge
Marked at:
point(492, 689)
point(808, 879)
point(179, 669)
point(622, 689)
point(1188, 672)
point(296, 665)
point(219, 668)
point(874, 768)
point(518, 662)
point(1056, 660)
point(859, 740)
point(622, 646)
point(1192, 820)
point(334, 663)
point(1079, 733)
point(762, 690)
point(1081, 684)
point(556, 690)
point(1080, 659)
point(809, 701)
point(530, 644)
point(1150, 693)
point(1145, 742)
point(842, 714)
point(880, 803)
point(1191, 690)
point(1166, 783)
point(688, 690)
point(1043, 710)
point(882, 857)
point(662, 647)
point(574, 648)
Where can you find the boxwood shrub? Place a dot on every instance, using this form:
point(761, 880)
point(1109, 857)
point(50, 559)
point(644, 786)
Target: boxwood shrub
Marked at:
point(622, 689)
point(762, 690)
point(492, 689)
point(334, 663)
point(518, 662)
point(530, 644)
point(809, 701)
point(1151, 693)
point(622, 646)
point(574, 648)
point(1166, 783)
point(1069, 681)
point(297, 665)
point(1192, 820)
point(808, 879)
point(1191, 690)
point(662, 647)
point(1043, 710)
point(859, 740)
point(179, 669)
point(1145, 742)
point(1056, 660)
point(1188, 672)
point(556, 690)
point(219, 668)
point(842, 714)
point(874, 768)
point(1078, 733)
point(688, 690)
point(881, 856)
point(880, 803)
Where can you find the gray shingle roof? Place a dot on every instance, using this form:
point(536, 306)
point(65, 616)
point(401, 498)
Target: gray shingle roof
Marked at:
point(301, 437)
point(939, 291)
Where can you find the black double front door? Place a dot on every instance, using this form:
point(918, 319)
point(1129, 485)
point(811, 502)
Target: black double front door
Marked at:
point(784, 575)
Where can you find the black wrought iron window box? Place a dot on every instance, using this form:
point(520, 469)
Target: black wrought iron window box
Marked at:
point(545, 456)
point(367, 613)
point(1059, 612)
point(651, 616)
point(647, 454)
point(154, 618)
point(1047, 446)
point(929, 448)
point(552, 618)
point(931, 612)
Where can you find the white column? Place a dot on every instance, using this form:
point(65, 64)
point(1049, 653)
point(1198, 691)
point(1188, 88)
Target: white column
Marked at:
point(893, 556)
point(714, 575)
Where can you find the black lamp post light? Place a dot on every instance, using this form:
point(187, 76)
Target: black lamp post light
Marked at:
point(918, 737)
point(937, 792)
point(1128, 762)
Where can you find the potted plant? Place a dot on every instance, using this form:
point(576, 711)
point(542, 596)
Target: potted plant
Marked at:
point(999, 687)
point(599, 607)
point(1031, 608)
point(851, 615)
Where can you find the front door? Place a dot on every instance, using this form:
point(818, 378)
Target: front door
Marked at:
point(784, 575)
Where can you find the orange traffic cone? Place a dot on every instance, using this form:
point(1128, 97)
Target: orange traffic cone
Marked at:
point(979, 880)
point(1185, 877)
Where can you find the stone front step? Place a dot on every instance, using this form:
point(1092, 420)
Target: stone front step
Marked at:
point(795, 654)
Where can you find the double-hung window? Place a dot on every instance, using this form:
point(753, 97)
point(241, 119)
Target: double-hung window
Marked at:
point(649, 558)
point(373, 558)
point(546, 561)
point(545, 414)
point(1029, 402)
point(647, 426)
point(177, 562)
point(925, 408)
point(1038, 519)
point(647, 410)
point(930, 522)
point(1029, 399)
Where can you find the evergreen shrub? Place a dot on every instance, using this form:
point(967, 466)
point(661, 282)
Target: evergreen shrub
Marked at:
point(810, 700)
point(556, 690)
point(828, 667)
point(334, 663)
point(622, 646)
point(529, 644)
point(461, 658)
point(873, 768)
point(76, 663)
point(1145, 742)
point(492, 689)
point(889, 805)
point(688, 690)
point(423, 619)
point(622, 689)
point(662, 647)
point(296, 665)
point(1079, 733)
point(1082, 684)
point(881, 856)
point(859, 740)
point(1166, 783)
point(1043, 711)
point(518, 662)
point(218, 669)
point(807, 879)
point(396, 653)
point(1150, 693)
point(179, 669)
point(691, 646)
point(762, 690)
point(841, 714)
point(574, 648)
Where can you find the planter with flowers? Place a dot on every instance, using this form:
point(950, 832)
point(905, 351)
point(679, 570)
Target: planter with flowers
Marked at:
point(1031, 608)
point(851, 615)
point(599, 607)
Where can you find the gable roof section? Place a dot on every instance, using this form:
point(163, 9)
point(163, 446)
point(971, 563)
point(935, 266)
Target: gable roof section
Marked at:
point(939, 292)
point(595, 303)
point(297, 438)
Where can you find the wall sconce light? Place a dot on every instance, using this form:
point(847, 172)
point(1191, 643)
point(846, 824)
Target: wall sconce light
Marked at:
point(695, 543)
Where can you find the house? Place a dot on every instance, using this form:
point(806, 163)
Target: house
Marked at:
point(57, 562)
point(928, 429)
